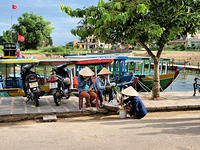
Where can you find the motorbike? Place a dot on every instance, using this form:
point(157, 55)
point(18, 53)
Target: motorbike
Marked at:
point(60, 83)
point(30, 84)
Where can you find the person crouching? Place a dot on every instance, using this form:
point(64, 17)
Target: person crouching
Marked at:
point(103, 85)
point(85, 85)
point(135, 106)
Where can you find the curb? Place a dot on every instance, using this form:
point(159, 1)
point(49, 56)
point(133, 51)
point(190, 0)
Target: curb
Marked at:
point(173, 108)
point(36, 116)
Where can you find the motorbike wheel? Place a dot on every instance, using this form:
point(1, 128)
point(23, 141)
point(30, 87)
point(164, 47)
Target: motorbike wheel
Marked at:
point(57, 100)
point(68, 96)
point(36, 100)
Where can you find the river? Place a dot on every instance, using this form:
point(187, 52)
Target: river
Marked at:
point(184, 81)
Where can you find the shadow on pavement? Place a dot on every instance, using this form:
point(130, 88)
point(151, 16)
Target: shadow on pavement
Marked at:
point(178, 126)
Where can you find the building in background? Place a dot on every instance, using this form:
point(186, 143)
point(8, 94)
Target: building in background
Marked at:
point(194, 41)
point(93, 43)
point(188, 40)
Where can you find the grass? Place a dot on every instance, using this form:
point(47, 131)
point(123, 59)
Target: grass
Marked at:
point(1, 49)
point(61, 50)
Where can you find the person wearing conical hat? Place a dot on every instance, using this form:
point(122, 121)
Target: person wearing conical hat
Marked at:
point(86, 86)
point(103, 85)
point(136, 107)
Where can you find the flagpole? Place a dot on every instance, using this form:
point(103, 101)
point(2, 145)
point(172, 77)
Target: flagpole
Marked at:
point(11, 29)
point(17, 37)
point(11, 21)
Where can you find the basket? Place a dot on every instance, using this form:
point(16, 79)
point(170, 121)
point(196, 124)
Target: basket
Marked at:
point(111, 108)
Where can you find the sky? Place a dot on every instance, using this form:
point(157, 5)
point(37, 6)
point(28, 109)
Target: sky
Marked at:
point(50, 10)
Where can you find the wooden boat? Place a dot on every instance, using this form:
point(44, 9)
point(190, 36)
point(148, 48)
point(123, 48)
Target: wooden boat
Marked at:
point(125, 80)
point(76, 63)
point(142, 69)
point(10, 78)
point(10, 68)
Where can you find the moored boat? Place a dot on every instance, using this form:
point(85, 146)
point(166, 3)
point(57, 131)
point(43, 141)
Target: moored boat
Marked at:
point(143, 70)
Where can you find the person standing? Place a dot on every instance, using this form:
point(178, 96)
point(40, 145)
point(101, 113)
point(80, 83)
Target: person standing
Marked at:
point(103, 85)
point(85, 85)
point(18, 53)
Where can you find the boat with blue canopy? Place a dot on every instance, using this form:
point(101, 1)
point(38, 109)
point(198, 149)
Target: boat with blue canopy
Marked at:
point(141, 68)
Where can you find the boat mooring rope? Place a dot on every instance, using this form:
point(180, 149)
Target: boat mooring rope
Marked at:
point(144, 87)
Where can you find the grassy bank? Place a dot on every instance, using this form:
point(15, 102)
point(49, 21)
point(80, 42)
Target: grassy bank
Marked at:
point(61, 50)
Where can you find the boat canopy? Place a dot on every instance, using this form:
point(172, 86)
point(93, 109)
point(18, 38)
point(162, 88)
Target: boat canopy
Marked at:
point(78, 61)
point(17, 61)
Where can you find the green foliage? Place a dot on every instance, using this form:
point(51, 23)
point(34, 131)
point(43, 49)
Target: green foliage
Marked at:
point(1, 49)
point(141, 9)
point(7, 36)
point(140, 20)
point(58, 49)
point(180, 47)
point(34, 29)
point(154, 47)
point(69, 45)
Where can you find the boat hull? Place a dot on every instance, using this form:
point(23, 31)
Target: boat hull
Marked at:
point(14, 92)
point(145, 83)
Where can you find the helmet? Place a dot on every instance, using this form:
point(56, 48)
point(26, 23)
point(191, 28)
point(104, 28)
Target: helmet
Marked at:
point(66, 81)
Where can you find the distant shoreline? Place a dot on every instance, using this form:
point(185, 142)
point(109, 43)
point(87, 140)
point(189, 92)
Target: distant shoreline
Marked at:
point(179, 56)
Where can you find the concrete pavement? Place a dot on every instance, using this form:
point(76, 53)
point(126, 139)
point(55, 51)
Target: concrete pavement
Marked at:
point(157, 131)
point(15, 108)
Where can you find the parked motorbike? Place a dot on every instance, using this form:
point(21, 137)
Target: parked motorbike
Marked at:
point(60, 83)
point(30, 84)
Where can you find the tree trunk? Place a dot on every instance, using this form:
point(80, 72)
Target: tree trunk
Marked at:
point(86, 44)
point(156, 83)
point(156, 59)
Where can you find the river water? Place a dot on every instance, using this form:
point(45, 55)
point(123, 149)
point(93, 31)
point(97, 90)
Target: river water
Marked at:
point(184, 81)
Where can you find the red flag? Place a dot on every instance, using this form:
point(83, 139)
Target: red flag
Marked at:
point(20, 38)
point(14, 6)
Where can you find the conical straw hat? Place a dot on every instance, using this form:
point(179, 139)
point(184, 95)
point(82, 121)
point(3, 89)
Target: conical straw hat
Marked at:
point(130, 91)
point(104, 71)
point(86, 72)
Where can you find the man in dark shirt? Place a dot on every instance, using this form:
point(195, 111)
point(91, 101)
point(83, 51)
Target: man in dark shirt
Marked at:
point(136, 107)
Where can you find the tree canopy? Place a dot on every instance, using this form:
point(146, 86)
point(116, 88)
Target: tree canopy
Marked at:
point(142, 21)
point(34, 29)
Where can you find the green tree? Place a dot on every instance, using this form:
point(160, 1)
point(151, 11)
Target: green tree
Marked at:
point(69, 45)
point(143, 22)
point(34, 29)
point(7, 37)
point(84, 30)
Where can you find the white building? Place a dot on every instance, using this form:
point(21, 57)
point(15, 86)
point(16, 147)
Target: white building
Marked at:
point(93, 43)
point(195, 40)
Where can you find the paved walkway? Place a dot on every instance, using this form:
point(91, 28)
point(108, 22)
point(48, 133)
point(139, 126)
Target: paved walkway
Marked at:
point(16, 106)
point(172, 101)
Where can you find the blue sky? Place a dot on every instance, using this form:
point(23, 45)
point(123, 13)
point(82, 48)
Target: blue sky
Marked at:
point(50, 10)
